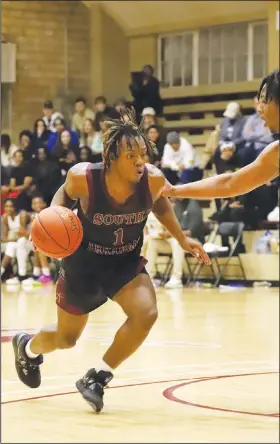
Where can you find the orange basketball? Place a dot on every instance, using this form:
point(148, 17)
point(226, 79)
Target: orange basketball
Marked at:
point(57, 232)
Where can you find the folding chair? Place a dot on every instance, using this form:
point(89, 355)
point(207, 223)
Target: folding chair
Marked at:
point(230, 229)
point(168, 268)
point(210, 230)
point(235, 230)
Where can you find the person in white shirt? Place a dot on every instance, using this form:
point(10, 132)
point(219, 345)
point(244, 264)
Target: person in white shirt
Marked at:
point(7, 151)
point(50, 115)
point(178, 155)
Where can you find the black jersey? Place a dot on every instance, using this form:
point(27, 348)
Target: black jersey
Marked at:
point(110, 228)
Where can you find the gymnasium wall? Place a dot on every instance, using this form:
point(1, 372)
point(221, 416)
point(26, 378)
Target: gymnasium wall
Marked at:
point(52, 43)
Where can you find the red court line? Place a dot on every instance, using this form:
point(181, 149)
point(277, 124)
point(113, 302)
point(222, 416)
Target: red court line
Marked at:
point(169, 394)
point(113, 387)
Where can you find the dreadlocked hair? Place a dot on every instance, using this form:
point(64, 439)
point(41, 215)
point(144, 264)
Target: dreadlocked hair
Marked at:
point(124, 127)
point(272, 82)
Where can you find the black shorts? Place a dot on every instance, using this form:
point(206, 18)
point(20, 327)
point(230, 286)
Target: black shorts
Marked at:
point(87, 280)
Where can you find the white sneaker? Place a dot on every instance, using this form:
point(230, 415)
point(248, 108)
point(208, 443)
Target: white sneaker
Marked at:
point(13, 281)
point(174, 283)
point(31, 282)
point(156, 283)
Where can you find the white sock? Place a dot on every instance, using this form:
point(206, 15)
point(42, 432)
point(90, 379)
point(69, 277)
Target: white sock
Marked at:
point(29, 353)
point(2, 270)
point(103, 366)
point(46, 271)
point(36, 271)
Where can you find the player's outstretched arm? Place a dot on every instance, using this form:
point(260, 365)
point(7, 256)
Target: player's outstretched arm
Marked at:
point(74, 187)
point(264, 169)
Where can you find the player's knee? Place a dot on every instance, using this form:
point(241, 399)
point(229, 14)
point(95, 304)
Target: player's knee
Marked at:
point(147, 318)
point(65, 341)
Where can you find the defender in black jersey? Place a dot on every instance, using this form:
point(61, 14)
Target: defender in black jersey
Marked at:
point(113, 200)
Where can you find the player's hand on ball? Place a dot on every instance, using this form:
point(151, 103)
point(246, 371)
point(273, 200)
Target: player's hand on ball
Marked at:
point(195, 249)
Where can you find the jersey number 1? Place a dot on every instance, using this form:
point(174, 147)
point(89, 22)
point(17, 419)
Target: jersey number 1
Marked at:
point(118, 237)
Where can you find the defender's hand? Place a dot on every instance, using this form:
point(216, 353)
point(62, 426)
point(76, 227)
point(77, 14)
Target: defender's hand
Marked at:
point(195, 249)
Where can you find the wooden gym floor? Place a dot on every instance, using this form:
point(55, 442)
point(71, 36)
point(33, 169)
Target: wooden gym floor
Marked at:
point(208, 372)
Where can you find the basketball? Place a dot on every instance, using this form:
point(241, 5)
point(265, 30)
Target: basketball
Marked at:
point(57, 232)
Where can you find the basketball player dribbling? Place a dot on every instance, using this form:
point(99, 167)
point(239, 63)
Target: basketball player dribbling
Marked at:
point(113, 201)
point(264, 169)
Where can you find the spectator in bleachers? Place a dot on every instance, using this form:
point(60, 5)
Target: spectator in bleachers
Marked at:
point(5, 186)
point(119, 106)
point(97, 144)
point(65, 151)
point(226, 158)
point(255, 134)
point(50, 115)
point(232, 126)
point(27, 146)
point(47, 175)
point(21, 181)
point(153, 133)
point(190, 217)
point(178, 155)
point(41, 134)
point(7, 151)
point(101, 108)
point(41, 270)
point(82, 113)
point(148, 117)
point(88, 132)
point(18, 246)
point(146, 91)
point(60, 126)
point(86, 154)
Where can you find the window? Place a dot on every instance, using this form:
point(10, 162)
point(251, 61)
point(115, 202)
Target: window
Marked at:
point(176, 60)
point(220, 54)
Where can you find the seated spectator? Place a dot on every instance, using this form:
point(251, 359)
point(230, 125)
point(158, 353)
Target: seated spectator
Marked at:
point(101, 108)
point(27, 146)
point(86, 154)
point(178, 155)
point(17, 244)
point(21, 181)
point(60, 126)
point(47, 175)
point(226, 158)
point(120, 106)
point(66, 152)
point(255, 134)
point(82, 113)
point(189, 215)
point(97, 144)
point(148, 118)
point(41, 134)
point(7, 151)
point(41, 269)
point(5, 186)
point(232, 126)
point(153, 134)
point(88, 132)
point(50, 115)
point(145, 90)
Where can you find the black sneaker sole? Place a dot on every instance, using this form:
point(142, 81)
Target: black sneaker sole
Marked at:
point(92, 398)
point(31, 384)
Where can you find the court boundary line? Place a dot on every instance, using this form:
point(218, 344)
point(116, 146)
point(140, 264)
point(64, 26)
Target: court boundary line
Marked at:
point(169, 394)
point(187, 381)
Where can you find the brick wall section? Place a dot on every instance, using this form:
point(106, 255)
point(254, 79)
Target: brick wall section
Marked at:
point(53, 53)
